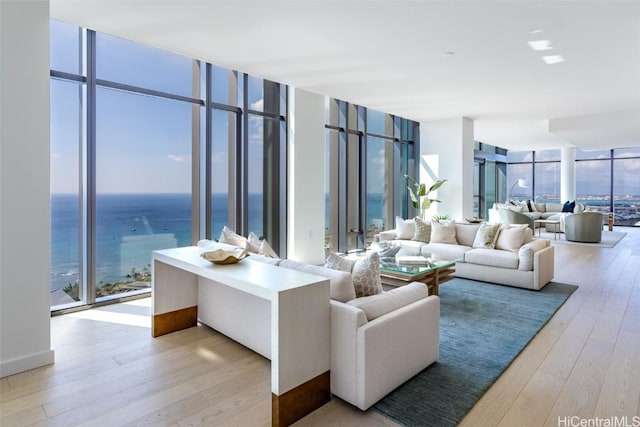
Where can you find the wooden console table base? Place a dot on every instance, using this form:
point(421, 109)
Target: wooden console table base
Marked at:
point(296, 306)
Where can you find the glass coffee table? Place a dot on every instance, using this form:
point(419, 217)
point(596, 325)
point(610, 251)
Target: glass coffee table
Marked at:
point(432, 273)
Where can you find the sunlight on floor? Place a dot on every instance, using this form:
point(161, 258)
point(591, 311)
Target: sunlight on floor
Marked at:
point(120, 316)
point(111, 317)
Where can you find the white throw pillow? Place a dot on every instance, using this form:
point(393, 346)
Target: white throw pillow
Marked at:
point(511, 237)
point(525, 254)
point(443, 232)
point(405, 229)
point(257, 246)
point(230, 237)
point(486, 236)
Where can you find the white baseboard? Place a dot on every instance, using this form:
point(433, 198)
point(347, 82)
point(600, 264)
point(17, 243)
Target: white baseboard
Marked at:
point(25, 363)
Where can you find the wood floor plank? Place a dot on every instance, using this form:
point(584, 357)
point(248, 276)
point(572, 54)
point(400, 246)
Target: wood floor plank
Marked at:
point(580, 393)
point(534, 402)
point(565, 352)
point(621, 389)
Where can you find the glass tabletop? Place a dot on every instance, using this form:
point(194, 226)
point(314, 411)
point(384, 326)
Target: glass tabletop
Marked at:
point(390, 264)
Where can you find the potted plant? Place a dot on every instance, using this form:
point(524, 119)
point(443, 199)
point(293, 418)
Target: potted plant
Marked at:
point(419, 195)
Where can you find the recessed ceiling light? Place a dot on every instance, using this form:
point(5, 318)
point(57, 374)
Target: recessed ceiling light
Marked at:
point(540, 45)
point(553, 59)
point(535, 31)
point(448, 54)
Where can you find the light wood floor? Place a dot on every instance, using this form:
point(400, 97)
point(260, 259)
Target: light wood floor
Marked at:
point(109, 371)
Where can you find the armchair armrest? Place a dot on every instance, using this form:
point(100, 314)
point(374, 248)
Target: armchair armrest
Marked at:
point(345, 321)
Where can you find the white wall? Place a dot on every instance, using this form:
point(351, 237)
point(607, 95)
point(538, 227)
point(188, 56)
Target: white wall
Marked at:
point(446, 152)
point(25, 341)
point(306, 157)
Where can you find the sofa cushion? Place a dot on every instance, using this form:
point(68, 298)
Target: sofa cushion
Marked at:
point(525, 254)
point(422, 231)
point(265, 259)
point(466, 233)
point(405, 229)
point(444, 251)
point(340, 282)
point(386, 235)
point(541, 207)
point(443, 232)
point(486, 236)
point(492, 258)
point(377, 305)
point(511, 237)
point(553, 207)
point(533, 215)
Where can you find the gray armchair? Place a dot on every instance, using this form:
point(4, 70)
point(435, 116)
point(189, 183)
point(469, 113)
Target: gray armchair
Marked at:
point(507, 216)
point(583, 227)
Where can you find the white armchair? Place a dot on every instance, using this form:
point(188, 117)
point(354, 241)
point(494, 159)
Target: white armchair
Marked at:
point(379, 342)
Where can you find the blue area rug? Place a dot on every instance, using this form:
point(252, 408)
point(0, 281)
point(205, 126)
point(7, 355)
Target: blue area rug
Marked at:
point(483, 327)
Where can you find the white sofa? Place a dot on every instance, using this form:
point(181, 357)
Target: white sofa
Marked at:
point(377, 342)
point(530, 265)
point(550, 211)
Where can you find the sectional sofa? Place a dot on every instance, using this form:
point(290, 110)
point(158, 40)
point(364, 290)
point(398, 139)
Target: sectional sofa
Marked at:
point(517, 259)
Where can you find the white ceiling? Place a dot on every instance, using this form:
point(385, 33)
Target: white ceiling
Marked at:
point(388, 55)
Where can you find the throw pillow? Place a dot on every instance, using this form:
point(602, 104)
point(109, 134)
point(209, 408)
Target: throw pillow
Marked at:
point(252, 244)
point(257, 246)
point(511, 237)
point(405, 229)
point(531, 206)
point(423, 231)
point(443, 232)
point(568, 206)
point(267, 250)
point(230, 237)
point(366, 275)
point(518, 209)
point(486, 236)
point(337, 262)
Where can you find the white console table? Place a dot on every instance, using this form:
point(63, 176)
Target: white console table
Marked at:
point(295, 308)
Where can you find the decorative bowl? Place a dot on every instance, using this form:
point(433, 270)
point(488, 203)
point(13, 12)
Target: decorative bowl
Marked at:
point(474, 220)
point(220, 256)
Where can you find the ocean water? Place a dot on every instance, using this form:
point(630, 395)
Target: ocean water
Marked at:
point(128, 228)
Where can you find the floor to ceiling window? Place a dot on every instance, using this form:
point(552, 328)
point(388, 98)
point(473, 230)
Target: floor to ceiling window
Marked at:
point(489, 178)
point(368, 154)
point(607, 181)
point(626, 186)
point(146, 157)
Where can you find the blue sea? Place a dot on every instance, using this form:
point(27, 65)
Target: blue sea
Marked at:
point(128, 228)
